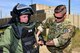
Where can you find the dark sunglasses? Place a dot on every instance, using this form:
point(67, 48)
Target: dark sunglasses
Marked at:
point(59, 17)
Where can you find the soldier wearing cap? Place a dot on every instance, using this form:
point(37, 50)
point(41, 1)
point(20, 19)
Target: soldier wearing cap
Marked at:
point(19, 36)
point(60, 31)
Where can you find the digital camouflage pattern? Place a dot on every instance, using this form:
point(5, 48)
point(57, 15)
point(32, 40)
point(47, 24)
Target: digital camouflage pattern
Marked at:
point(60, 33)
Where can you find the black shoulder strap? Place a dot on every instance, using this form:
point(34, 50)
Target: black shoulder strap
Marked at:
point(15, 31)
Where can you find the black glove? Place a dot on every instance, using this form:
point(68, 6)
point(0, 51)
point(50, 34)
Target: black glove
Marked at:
point(42, 39)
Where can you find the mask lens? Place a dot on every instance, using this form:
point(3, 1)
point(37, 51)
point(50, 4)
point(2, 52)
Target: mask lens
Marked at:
point(25, 11)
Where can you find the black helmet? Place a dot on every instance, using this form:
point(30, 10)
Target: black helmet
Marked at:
point(18, 10)
point(21, 9)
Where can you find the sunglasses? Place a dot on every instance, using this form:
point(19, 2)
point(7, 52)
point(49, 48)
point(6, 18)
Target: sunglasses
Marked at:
point(59, 17)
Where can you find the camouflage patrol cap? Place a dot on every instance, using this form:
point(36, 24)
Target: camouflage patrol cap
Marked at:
point(60, 9)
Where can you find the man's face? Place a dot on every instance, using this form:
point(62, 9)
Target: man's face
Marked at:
point(24, 18)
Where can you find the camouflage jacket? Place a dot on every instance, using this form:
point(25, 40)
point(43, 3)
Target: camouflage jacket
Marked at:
point(60, 33)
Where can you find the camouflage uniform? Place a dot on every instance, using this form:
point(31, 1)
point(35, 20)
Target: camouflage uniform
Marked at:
point(60, 33)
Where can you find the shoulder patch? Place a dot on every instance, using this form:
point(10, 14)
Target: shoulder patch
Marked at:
point(67, 30)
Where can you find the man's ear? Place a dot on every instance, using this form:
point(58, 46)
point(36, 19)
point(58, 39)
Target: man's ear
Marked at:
point(65, 16)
